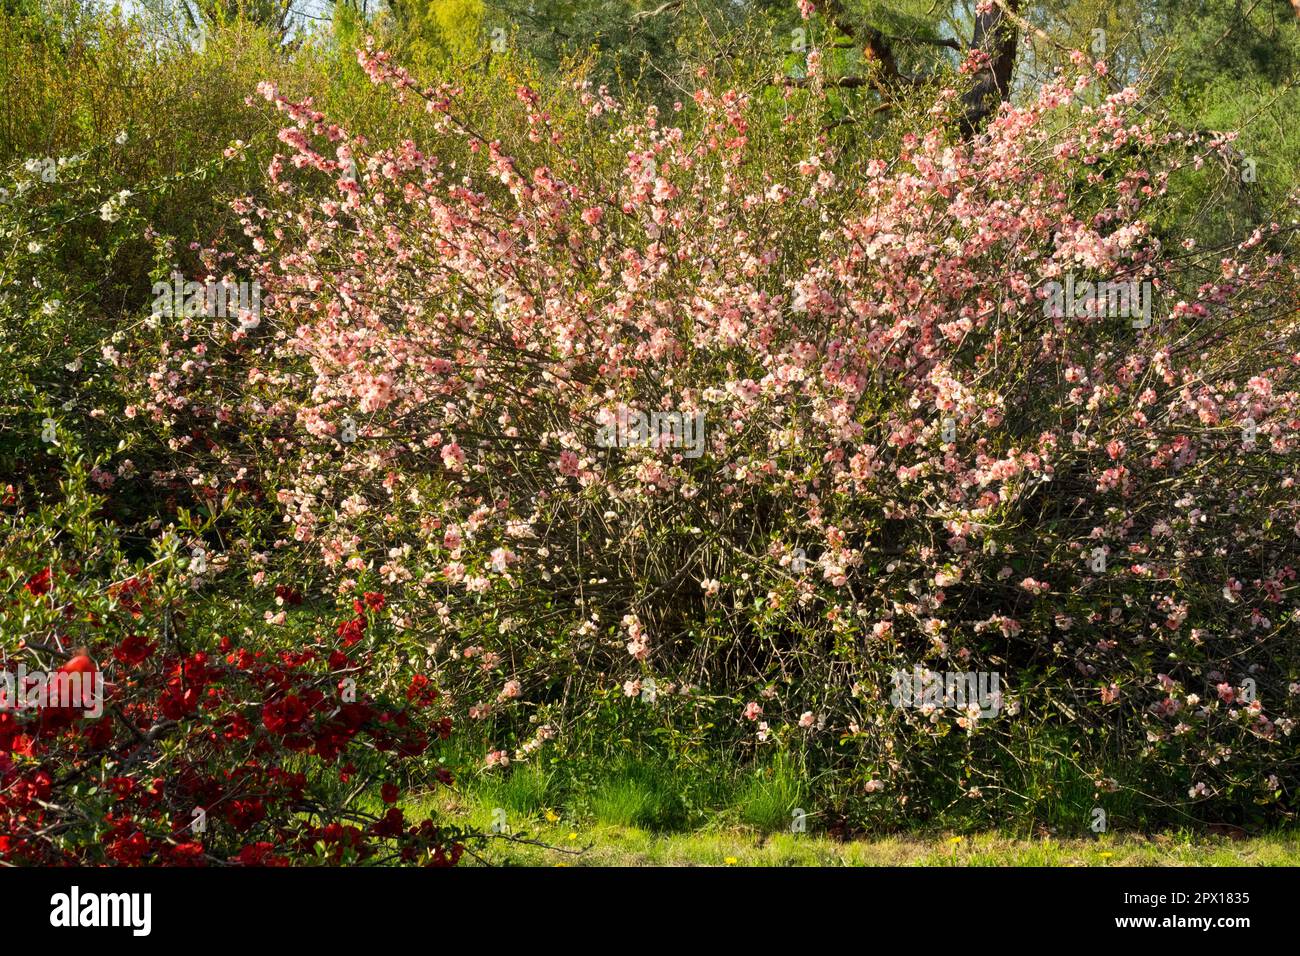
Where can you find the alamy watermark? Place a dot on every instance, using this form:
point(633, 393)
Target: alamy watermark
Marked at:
point(133, 911)
point(38, 690)
point(1129, 300)
point(632, 429)
point(214, 299)
point(968, 691)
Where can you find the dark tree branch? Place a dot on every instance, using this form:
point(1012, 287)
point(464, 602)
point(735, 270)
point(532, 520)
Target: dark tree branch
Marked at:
point(996, 35)
point(949, 42)
point(835, 82)
point(876, 47)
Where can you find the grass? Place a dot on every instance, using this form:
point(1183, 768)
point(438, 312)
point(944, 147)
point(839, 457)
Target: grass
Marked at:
point(769, 798)
point(523, 793)
point(635, 795)
point(603, 845)
point(633, 815)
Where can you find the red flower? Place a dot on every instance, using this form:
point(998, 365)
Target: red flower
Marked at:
point(133, 649)
point(39, 583)
point(391, 825)
point(130, 589)
point(259, 854)
point(389, 792)
point(237, 727)
point(35, 787)
point(288, 595)
point(67, 712)
point(184, 854)
point(441, 858)
point(352, 631)
point(421, 692)
point(177, 702)
point(125, 844)
point(284, 715)
point(98, 734)
point(243, 814)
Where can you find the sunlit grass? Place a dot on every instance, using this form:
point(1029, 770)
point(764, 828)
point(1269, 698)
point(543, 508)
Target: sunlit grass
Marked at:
point(627, 846)
point(543, 832)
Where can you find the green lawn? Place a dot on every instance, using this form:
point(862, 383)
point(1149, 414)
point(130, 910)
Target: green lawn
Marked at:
point(624, 846)
point(629, 820)
point(549, 838)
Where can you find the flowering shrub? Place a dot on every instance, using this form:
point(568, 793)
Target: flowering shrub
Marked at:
point(913, 456)
point(201, 748)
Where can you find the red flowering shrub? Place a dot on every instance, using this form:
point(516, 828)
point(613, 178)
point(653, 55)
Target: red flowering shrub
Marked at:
point(196, 748)
point(888, 434)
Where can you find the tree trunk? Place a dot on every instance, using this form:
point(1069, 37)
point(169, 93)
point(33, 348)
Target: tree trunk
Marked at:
point(997, 36)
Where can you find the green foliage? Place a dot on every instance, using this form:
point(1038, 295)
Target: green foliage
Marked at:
point(271, 15)
point(1236, 70)
point(437, 33)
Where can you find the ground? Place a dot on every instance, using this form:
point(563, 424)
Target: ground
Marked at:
point(576, 845)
